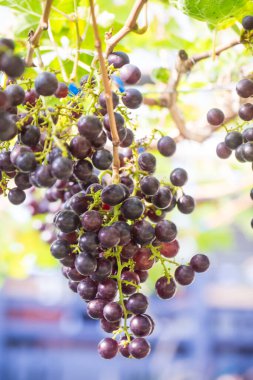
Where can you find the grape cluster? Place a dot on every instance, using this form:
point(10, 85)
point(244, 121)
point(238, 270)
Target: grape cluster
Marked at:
point(109, 234)
point(240, 139)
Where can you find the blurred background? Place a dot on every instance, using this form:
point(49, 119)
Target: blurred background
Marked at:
point(206, 331)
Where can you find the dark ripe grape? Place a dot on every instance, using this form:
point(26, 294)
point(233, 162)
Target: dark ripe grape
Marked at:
point(82, 169)
point(62, 168)
point(143, 275)
point(26, 162)
point(3, 100)
point(130, 74)
point(132, 208)
point(53, 195)
point(93, 188)
point(70, 237)
point(143, 232)
point(165, 288)
point(143, 259)
point(46, 84)
point(139, 348)
point(108, 348)
point(79, 203)
point(223, 151)
point(74, 275)
point(107, 289)
point(113, 195)
point(85, 79)
point(121, 134)
point(12, 65)
point(140, 325)
point(6, 43)
point(67, 221)
point(102, 100)
point(100, 141)
point(147, 162)
point(247, 134)
point(5, 162)
point(61, 91)
point(8, 128)
point(247, 22)
point(87, 289)
point(31, 98)
point(113, 312)
point(184, 274)
point(43, 176)
point(244, 88)
point(247, 151)
point(16, 196)
point(166, 146)
point(119, 120)
point(11, 174)
point(102, 159)
point(30, 135)
point(128, 182)
point(137, 303)
point(246, 112)
point(165, 231)
point(199, 263)
point(118, 59)
point(89, 180)
point(80, 147)
point(251, 193)
point(109, 327)
point(186, 204)
point(239, 154)
point(89, 126)
point(124, 346)
point(60, 248)
point(178, 177)
point(55, 153)
point(104, 269)
point(13, 111)
point(233, 140)
point(169, 249)
point(124, 232)
point(89, 242)
point(92, 220)
point(215, 116)
point(156, 215)
point(85, 264)
point(162, 198)
point(73, 285)
point(149, 185)
point(65, 271)
point(22, 181)
point(128, 140)
point(15, 94)
point(129, 250)
point(129, 277)
point(95, 308)
point(132, 98)
point(68, 260)
point(108, 237)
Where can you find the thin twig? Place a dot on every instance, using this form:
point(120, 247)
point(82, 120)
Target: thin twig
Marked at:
point(169, 98)
point(108, 96)
point(34, 38)
point(129, 26)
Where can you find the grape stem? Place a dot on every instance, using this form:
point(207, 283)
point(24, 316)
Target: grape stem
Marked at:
point(108, 96)
point(34, 37)
point(129, 26)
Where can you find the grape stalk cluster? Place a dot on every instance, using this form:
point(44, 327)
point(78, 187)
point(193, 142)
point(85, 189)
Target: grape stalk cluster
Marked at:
point(109, 233)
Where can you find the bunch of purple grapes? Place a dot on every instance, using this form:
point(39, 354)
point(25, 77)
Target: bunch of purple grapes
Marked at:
point(239, 140)
point(108, 235)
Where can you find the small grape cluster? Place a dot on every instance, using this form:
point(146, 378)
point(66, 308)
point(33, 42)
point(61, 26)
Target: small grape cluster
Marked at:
point(239, 140)
point(110, 233)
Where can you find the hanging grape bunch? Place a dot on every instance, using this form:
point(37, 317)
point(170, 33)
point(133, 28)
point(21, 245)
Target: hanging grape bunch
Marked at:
point(240, 139)
point(112, 222)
